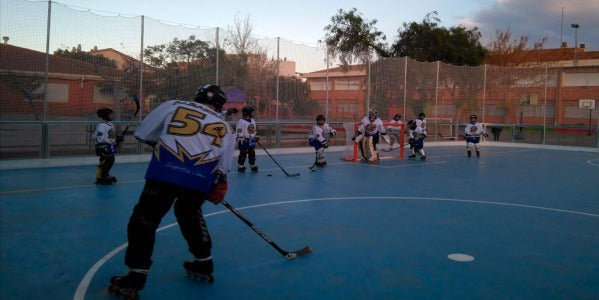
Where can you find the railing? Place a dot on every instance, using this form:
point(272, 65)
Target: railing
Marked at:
point(36, 139)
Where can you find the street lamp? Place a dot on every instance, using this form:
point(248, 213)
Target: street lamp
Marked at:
point(575, 26)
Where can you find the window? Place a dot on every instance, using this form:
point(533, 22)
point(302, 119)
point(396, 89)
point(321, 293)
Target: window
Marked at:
point(319, 85)
point(347, 85)
point(57, 92)
point(347, 107)
point(102, 97)
point(581, 79)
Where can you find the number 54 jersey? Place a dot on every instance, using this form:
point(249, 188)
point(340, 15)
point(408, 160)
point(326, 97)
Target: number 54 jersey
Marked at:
point(194, 143)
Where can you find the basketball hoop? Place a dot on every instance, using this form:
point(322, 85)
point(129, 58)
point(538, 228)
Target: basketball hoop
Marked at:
point(586, 103)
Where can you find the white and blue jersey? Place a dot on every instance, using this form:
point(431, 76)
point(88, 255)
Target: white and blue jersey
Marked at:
point(417, 136)
point(371, 128)
point(105, 138)
point(194, 143)
point(320, 135)
point(246, 133)
point(473, 132)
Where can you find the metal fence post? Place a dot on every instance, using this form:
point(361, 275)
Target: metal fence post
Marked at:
point(45, 151)
point(436, 100)
point(277, 135)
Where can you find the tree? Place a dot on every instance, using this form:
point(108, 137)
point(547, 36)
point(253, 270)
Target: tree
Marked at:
point(507, 51)
point(241, 38)
point(179, 68)
point(518, 64)
point(350, 37)
point(427, 41)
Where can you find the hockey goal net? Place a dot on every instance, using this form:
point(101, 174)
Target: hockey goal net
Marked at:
point(395, 132)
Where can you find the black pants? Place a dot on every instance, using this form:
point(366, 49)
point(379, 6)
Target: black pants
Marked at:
point(155, 201)
point(250, 152)
point(106, 162)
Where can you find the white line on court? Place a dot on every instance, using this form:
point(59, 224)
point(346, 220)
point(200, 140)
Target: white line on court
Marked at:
point(591, 162)
point(85, 281)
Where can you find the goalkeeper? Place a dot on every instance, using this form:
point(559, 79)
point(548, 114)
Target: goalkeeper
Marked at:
point(368, 134)
point(319, 139)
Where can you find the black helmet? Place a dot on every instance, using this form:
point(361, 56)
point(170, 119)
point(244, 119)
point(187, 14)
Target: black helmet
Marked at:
point(211, 94)
point(320, 117)
point(421, 114)
point(247, 110)
point(397, 116)
point(104, 113)
point(473, 116)
point(412, 124)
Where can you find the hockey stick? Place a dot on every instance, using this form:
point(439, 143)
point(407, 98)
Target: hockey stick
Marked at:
point(137, 107)
point(273, 159)
point(288, 255)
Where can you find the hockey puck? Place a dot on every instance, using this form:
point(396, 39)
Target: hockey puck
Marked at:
point(268, 174)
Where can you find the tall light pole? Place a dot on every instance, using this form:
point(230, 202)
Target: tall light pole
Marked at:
point(575, 26)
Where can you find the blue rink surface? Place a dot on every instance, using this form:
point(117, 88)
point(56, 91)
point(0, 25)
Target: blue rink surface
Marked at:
point(528, 217)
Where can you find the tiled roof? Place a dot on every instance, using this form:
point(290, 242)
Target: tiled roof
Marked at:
point(15, 58)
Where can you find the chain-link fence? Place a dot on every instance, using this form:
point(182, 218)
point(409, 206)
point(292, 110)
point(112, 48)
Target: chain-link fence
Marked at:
point(60, 64)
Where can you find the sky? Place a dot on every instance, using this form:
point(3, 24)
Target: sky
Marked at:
point(299, 23)
point(303, 21)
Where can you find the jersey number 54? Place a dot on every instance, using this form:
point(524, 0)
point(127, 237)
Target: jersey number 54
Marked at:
point(187, 122)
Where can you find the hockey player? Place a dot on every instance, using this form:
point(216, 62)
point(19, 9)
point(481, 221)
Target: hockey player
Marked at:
point(368, 134)
point(472, 134)
point(416, 136)
point(106, 141)
point(319, 139)
point(420, 121)
point(394, 130)
point(192, 156)
point(246, 139)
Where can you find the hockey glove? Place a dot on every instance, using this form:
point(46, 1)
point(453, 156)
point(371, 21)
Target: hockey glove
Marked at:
point(256, 138)
point(219, 190)
point(485, 134)
point(325, 144)
point(120, 138)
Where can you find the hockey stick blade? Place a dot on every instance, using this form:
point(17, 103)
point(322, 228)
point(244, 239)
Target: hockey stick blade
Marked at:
point(299, 253)
point(275, 161)
point(288, 255)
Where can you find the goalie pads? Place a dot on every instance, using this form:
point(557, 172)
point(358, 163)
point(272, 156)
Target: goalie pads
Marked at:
point(357, 137)
point(367, 150)
point(387, 139)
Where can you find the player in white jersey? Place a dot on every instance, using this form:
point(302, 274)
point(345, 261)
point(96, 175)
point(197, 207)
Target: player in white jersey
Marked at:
point(367, 138)
point(420, 121)
point(416, 136)
point(472, 133)
point(246, 139)
point(106, 141)
point(319, 139)
point(394, 130)
point(193, 151)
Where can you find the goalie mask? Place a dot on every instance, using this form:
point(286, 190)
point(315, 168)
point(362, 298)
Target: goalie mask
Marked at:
point(397, 117)
point(211, 94)
point(473, 118)
point(104, 113)
point(373, 114)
